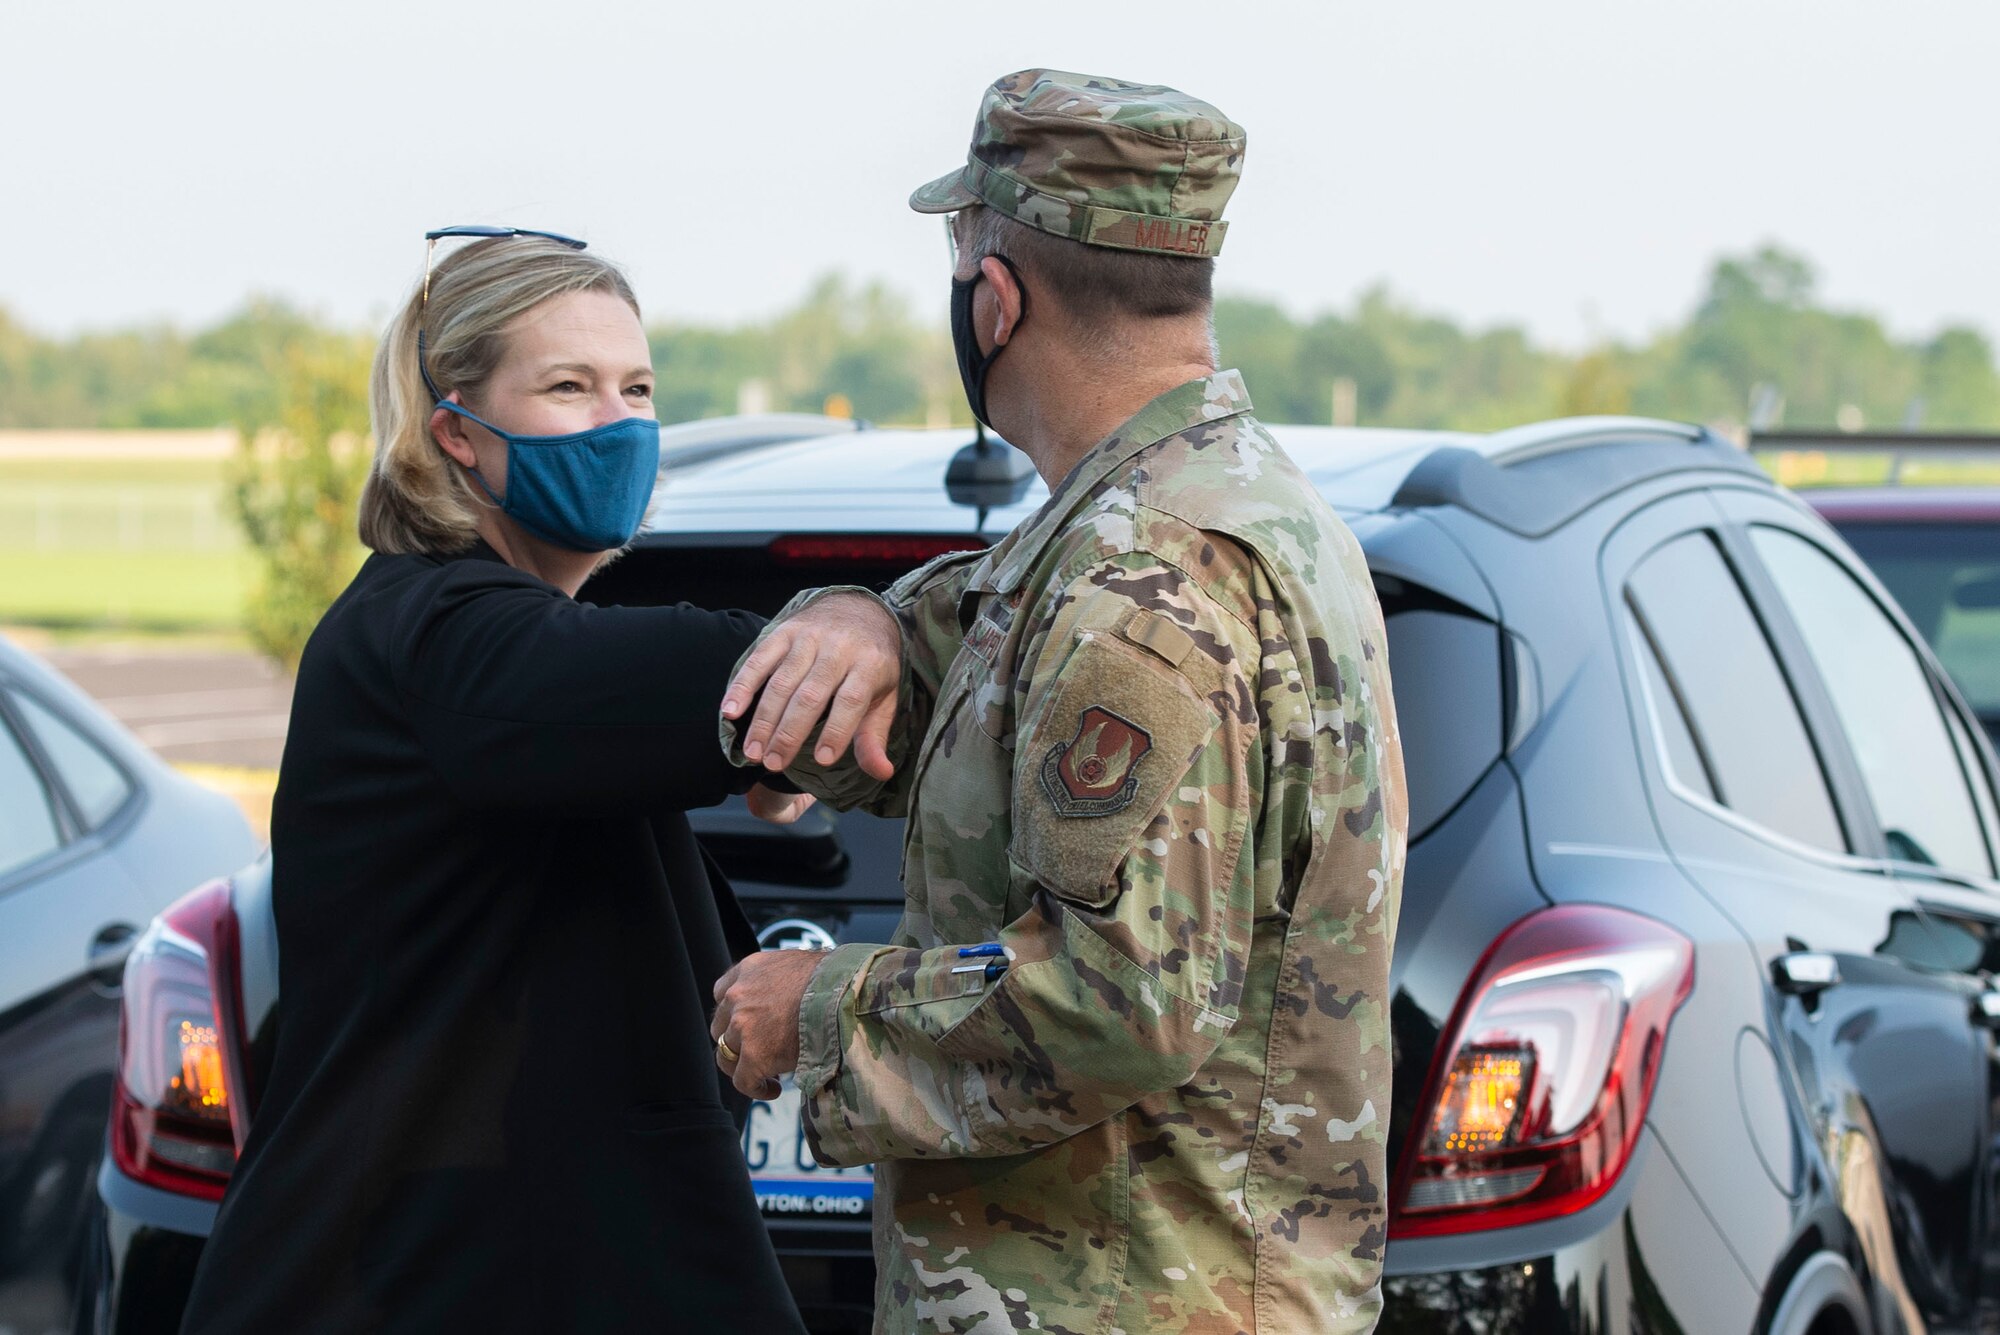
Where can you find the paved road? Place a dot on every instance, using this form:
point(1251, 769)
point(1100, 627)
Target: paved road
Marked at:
point(204, 708)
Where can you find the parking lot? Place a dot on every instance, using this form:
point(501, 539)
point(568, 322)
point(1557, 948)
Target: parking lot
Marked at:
point(192, 706)
point(1441, 767)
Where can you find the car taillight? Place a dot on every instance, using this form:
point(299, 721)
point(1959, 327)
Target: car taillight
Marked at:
point(861, 548)
point(1541, 1083)
point(176, 1119)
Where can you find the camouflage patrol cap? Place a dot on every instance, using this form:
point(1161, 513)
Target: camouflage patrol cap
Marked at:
point(1128, 165)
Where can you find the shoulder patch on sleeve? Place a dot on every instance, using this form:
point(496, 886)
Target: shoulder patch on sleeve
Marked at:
point(1119, 733)
point(1093, 773)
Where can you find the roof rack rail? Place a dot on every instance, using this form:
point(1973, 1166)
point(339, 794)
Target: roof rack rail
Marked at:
point(685, 444)
point(1519, 444)
point(1531, 480)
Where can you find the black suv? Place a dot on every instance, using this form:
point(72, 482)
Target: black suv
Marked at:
point(1691, 1017)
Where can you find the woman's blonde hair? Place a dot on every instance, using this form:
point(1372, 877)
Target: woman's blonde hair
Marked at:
point(417, 499)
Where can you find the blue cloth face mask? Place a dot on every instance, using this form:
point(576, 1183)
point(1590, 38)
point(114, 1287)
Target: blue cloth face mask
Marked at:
point(586, 491)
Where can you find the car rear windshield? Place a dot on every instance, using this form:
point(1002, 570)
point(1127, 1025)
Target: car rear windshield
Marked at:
point(1444, 659)
point(761, 577)
point(1947, 578)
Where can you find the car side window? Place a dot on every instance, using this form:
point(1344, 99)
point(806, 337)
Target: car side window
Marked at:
point(1975, 771)
point(1684, 759)
point(96, 785)
point(28, 829)
point(1883, 696)
point(1750, 749)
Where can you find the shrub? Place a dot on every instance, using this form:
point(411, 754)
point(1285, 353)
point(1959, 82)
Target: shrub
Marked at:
point(294, 487)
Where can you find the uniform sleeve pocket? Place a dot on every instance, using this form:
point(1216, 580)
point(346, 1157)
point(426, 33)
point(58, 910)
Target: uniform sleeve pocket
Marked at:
point(914, 980)
point(1094, 767)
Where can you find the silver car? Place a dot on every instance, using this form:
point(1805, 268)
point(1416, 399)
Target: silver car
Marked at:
point(97, 835)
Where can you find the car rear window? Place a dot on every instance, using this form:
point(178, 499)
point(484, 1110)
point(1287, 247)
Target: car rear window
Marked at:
point(1947, 579)
point(760, 577)
point(1446, 669)
point(1445, 661)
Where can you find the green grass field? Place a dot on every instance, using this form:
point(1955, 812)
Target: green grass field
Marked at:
point(148, 590)
point(142, 544)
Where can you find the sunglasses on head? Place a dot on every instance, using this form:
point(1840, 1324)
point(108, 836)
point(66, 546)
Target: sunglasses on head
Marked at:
point(479, 231)
point(482, 231)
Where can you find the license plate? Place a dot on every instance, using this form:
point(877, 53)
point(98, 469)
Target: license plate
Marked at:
point(787, 1181)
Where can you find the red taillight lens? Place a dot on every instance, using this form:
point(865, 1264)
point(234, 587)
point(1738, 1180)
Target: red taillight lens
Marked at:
point(877, 549)
point(171, 1119)
point(1540, 1086)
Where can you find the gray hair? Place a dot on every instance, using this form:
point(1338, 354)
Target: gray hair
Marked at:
point(1103, 289)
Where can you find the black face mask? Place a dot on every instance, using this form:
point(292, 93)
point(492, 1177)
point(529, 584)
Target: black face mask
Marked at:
point(972, 367)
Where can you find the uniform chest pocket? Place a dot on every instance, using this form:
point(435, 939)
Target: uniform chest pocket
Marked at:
point(1117, 737)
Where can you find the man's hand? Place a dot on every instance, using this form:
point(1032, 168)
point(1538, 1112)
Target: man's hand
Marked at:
point(757, 1015)
point(775, 807)
point(841, 658)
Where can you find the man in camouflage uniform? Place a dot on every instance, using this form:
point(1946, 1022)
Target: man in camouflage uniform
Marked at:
point(1126, 1066)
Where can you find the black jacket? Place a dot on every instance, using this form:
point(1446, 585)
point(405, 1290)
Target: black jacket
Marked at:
point(493, 1103)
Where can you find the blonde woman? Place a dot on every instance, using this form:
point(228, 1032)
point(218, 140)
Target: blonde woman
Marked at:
point(493, 1102)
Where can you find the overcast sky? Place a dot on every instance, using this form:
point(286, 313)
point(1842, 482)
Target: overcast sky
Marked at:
point(1573, 165)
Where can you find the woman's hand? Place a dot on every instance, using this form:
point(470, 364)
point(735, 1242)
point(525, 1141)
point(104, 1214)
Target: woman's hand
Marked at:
point(841, 659)
point(776, 807)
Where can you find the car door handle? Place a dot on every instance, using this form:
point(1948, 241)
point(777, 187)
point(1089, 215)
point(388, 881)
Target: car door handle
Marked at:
point(1805, 973)
point(108, 950)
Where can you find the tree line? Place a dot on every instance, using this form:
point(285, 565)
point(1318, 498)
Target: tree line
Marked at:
point(1758, 347)
point(1758, 343)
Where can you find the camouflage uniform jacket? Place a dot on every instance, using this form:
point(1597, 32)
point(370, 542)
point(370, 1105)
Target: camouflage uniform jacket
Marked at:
point(1159, 765)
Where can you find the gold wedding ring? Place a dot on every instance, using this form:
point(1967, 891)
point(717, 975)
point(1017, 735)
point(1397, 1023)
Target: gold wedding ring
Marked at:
point(727, 1053)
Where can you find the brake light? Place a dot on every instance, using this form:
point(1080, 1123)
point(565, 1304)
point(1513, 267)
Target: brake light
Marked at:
point(176, 1120)
point(1538, 1091)
point(884, 549)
